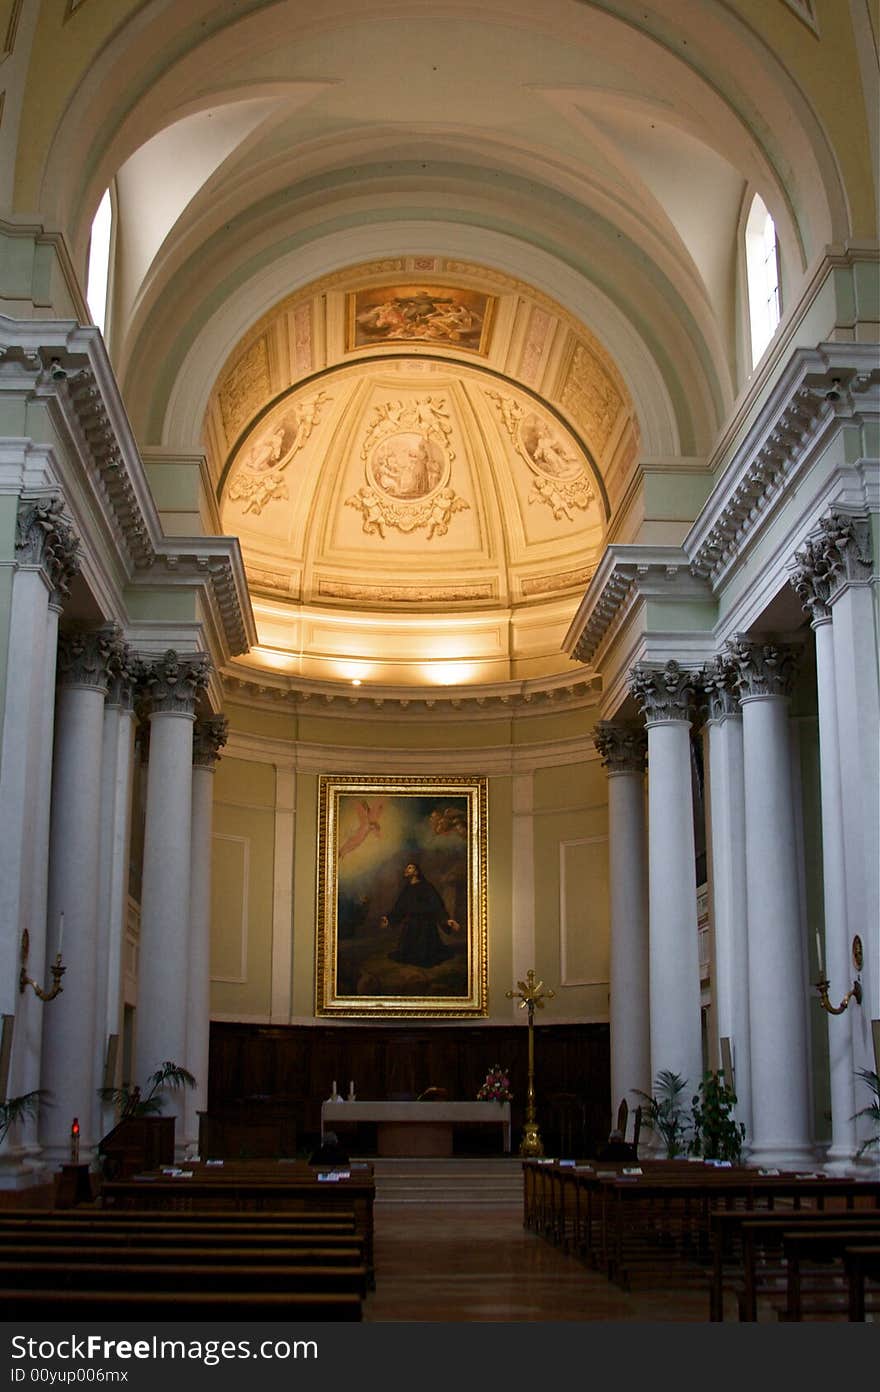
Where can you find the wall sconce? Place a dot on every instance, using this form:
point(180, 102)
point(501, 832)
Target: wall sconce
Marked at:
point(855, 991)
point(57, 969)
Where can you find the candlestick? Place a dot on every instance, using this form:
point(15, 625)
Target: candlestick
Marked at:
point(60, 933)
point(819, 953)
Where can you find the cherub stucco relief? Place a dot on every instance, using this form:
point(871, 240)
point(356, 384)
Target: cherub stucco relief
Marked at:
point(559, 477)
point(407, 460)
point(259, 478)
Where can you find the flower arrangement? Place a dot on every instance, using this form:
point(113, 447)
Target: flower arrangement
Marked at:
point(496, 1087)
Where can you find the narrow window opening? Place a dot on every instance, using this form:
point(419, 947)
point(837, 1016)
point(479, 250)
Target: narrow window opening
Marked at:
point(99, 261)
point(762, 268)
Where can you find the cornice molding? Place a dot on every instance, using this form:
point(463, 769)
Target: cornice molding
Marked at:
point(625, 575)
point(66, 365)
point(419, 704)
point(820, 391)
point(309, 757)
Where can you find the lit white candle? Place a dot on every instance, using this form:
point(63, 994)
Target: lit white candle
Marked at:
point(60, 933)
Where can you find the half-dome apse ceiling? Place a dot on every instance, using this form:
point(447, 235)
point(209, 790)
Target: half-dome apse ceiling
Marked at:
point(416, 468)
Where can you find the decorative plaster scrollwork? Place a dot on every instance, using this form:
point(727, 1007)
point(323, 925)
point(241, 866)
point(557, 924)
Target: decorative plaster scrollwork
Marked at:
point(762, 669)
point(663, 693)
point(44, 537)
point(172, 684)
point(260, 479)
point(209, 737)
point(559, 478)
point(622, 748)
point(407, 458)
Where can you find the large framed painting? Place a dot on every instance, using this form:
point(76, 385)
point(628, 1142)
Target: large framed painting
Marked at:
point(401, 924)
point(444, 315)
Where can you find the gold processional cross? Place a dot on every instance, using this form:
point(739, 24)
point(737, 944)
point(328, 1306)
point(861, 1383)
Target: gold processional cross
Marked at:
point(531, 995)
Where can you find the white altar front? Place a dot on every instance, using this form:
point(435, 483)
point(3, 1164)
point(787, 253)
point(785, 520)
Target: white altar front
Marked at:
point(416, 1128)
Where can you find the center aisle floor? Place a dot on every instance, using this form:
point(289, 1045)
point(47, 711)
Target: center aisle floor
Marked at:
point(450, 1263)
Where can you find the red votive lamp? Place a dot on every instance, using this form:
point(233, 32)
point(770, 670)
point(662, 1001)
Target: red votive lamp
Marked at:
point(74, 1142)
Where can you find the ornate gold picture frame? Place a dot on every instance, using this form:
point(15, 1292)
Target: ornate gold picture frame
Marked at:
point(402, 920)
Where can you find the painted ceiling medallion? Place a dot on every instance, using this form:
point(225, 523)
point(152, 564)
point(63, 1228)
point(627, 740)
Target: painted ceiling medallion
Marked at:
point(559, 477)
point(407, 460)
point(260, 479)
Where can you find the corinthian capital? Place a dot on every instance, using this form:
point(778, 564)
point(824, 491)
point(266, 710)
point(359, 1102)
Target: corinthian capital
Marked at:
point(89, 657)
point(719, 681)
point(209, 737)
point(173, 683)
point(622, 748)
point(44, 537)
point(814, 576)
point(762, 669)
point(663, 693)
point(125, 671)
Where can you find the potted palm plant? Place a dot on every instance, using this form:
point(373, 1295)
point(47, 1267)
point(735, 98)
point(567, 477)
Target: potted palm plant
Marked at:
point(872, 1110)
point(18, 1108)
point(142, 1139)
point(664, 1112)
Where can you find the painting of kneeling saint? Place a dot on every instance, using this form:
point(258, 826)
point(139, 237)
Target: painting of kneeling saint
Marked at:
point(401, 896)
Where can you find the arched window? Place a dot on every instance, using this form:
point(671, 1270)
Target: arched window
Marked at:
point(762, 271)
point(98, 278)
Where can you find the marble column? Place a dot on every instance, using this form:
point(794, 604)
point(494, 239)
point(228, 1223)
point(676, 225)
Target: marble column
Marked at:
point(172, 685)
point(623, 749)
point(69, 1022)
point(664, 695)
point(813, 577)
point(727, 858)
point(778, 1002)
point(46, 559)
point(117, 766)
point(853, 605)
point(209, 736)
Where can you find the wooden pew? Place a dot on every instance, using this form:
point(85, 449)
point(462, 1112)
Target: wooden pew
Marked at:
point(861, 1264)
point(132, 1274)
point(248, 1187)
point(815, 1278)
point(168, 1254)
point(747, 1238)
point(176, 1304)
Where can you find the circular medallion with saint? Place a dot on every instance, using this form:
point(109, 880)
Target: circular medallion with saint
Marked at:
point(407, 466)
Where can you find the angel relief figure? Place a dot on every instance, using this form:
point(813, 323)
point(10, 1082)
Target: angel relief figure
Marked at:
point(368, 824)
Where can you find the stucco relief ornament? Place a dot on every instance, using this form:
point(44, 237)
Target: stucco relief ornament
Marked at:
point(407, 458)
point(559, 479)
point(719, 682)
point(173, 683)
point(762, 669)
point(622, 748)
point(209, 737)
point(44, 537)
point(90, 657)
point(663, 693)
point(260, 477)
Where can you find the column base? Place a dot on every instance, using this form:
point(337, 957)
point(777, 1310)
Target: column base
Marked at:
point(19, 1170)
point(783, 1155)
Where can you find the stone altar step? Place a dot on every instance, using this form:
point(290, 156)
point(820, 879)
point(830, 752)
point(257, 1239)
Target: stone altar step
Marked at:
point(488, 1182)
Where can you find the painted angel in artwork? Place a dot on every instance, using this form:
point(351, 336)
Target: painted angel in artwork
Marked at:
point(368, 825)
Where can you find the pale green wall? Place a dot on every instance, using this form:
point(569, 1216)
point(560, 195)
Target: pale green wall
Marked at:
point(569, 801)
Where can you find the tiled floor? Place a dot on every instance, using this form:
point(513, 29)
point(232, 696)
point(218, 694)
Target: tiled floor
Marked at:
point(451, 1264)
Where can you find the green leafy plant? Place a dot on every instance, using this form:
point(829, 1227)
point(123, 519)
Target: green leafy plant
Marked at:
point(17, 1108)
point(869, 1076)
point(717, 1134)
point(665, 1112)
point(133, 1103)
